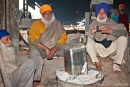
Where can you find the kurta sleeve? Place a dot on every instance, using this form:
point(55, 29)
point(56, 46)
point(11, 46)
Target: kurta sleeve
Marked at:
point(62, 40)
point(35, 32)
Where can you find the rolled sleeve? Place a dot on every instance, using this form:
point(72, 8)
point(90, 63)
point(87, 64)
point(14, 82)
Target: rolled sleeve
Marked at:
point(35, 42)
point(59, 46)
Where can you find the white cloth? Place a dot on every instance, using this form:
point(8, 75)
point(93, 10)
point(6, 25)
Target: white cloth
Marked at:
point(93, 76)
point(117, 48)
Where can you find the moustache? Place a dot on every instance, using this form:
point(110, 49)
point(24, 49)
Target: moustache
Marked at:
point(48, 18)
point(8, 45)
point(101, 18)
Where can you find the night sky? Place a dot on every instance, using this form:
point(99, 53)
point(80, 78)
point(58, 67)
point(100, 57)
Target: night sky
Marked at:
point(71, 11)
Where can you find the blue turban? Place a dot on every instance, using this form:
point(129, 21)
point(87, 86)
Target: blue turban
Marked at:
point(3, 33)
point(104, 6)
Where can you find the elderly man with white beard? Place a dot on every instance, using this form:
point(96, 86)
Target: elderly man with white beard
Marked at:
point(47, 35)
point(27, 74)
point(106, 38)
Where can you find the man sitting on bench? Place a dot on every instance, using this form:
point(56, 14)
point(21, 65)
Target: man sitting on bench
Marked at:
point(25, 75)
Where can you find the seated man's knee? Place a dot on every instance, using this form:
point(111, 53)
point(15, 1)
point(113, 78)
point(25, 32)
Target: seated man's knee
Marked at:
point(33, 53)
point(29, 64)
point(122, 39)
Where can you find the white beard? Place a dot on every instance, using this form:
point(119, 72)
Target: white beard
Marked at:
point(10, 52)
point(101, 21)
point(48, 21)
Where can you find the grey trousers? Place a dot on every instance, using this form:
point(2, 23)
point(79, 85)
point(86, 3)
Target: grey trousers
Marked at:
point(27, 73)
point(38, 52)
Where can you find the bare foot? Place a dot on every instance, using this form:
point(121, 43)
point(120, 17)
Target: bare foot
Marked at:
point(116, 68)
point(117, 72)
point(36, 83)
point(98, 66)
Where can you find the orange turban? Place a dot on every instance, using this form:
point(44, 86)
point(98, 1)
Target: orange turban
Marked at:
point(45, 8)
point(121, 5)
